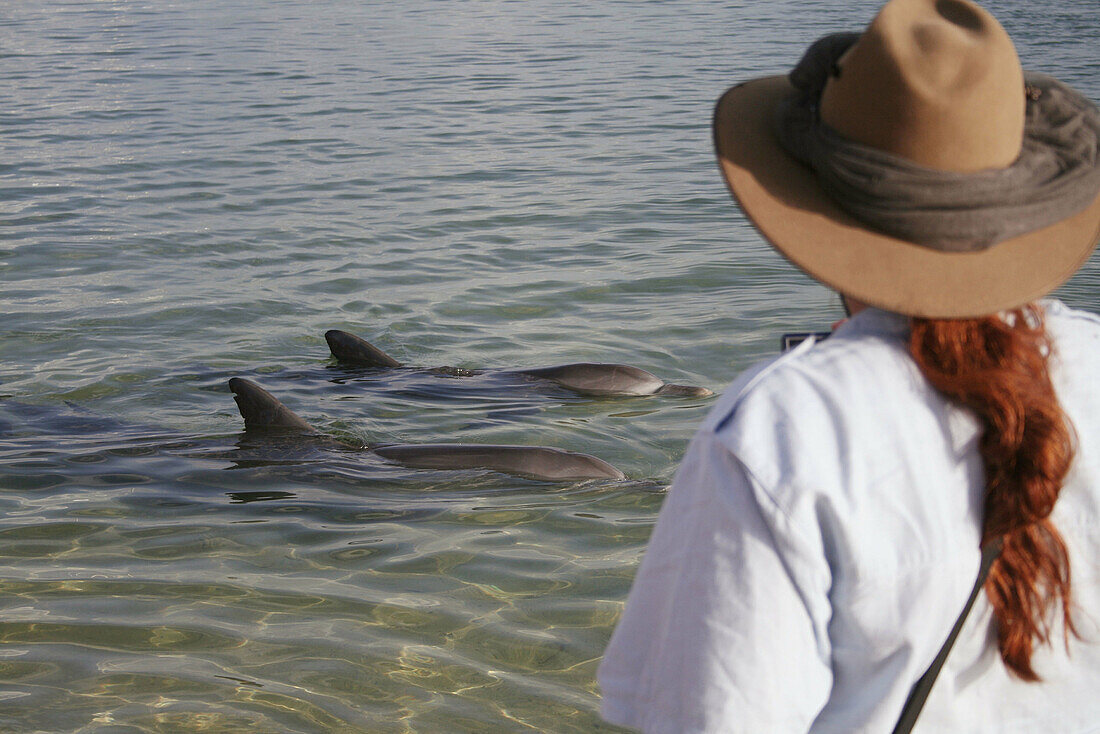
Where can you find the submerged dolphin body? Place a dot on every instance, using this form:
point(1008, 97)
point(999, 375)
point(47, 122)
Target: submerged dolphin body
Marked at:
point(585, 378)
point(262, 410)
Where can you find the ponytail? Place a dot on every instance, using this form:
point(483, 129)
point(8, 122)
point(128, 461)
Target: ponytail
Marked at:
point(997, 367)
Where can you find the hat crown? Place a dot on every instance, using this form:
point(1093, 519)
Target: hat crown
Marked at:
point(936, 82)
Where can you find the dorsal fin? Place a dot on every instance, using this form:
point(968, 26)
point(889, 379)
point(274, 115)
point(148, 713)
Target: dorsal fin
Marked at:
point(261, 409)
point(354, 350)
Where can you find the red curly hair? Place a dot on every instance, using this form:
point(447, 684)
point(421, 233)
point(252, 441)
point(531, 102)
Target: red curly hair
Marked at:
point(997, 367)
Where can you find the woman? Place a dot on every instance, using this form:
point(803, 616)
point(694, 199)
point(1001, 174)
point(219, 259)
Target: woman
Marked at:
point(825, 529)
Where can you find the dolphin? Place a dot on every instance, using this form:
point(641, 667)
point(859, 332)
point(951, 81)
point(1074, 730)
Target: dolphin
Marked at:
point(584, 378)
point(262, 410)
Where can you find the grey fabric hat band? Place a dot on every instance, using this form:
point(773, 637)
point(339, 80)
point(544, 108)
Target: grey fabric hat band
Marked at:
point(1056, 175)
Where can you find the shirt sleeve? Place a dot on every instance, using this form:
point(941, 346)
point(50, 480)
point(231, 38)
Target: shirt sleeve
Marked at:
point(723, 627)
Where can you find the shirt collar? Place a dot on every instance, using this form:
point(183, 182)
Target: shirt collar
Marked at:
point(876, 322)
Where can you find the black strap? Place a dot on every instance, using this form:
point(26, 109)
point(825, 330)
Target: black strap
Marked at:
point(923, 687)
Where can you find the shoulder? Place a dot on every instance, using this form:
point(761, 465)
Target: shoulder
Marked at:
point(832, 417)
point(1068, 324)
point(866, 339)
point(794, 410)
point(1075, 359)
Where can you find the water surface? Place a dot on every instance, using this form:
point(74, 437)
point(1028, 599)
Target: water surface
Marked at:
point(195, 191)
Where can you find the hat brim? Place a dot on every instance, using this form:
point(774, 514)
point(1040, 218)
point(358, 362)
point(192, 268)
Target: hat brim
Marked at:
point(784, 201)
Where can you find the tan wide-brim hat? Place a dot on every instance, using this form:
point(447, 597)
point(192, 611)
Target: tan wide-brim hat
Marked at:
point(891, 92)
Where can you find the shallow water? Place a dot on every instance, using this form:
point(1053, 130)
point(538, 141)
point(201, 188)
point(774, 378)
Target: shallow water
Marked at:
point(195, 191)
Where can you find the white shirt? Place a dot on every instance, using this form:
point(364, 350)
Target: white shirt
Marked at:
point(820, 540)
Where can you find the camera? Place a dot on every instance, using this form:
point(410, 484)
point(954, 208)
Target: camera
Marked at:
point(790, 341)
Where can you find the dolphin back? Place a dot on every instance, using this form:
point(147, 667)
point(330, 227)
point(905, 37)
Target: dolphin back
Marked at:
point(687, 391)
point(594, 378)
point(537, 462)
